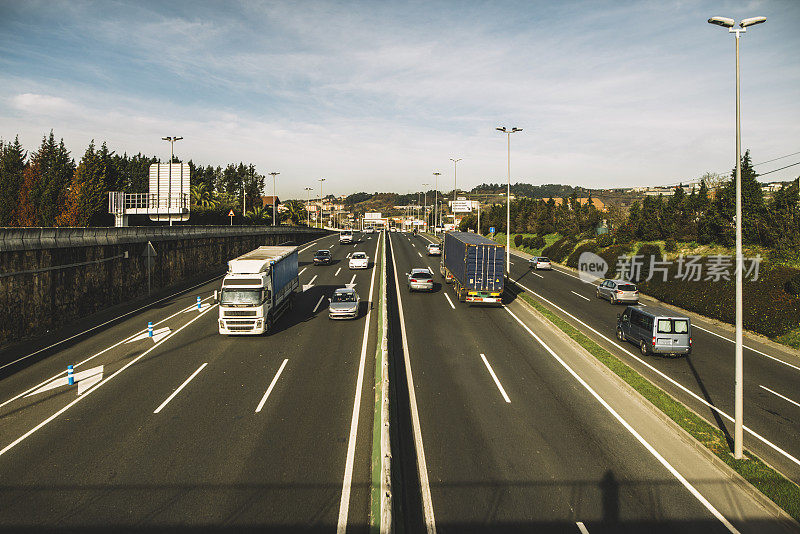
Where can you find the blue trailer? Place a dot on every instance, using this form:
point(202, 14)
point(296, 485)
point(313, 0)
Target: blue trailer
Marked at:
point(476, 267)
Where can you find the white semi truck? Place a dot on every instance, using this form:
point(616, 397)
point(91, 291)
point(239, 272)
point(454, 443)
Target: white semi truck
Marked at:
point(257, 289)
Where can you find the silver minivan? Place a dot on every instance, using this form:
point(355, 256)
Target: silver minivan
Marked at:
point(655, 330)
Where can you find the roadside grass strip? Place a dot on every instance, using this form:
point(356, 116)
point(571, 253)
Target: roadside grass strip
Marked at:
point(779, 489)
point(379, 521)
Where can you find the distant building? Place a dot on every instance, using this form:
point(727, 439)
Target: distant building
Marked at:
point(596, 202)
point(266, 202)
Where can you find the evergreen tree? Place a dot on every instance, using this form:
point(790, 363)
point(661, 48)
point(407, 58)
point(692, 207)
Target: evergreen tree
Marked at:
point(88, 190)
point(54, 167)
point(753, 207)
point(12, 167)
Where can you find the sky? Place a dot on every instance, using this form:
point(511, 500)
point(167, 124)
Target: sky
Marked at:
point(376, 96)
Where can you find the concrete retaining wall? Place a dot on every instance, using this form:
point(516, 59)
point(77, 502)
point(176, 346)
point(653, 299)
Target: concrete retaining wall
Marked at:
point(50, 277)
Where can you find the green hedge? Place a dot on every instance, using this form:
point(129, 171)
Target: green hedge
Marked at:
point(518, 240)
point(604, 240)
point(589, 246)
point(537, 241)
point(559, 250)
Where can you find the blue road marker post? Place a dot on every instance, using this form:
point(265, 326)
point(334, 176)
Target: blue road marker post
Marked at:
point(149, 329)
point(70, 378)
point(198, 303)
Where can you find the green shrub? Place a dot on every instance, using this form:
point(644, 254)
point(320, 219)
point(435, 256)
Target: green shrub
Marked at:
point(517, 240)
point(604, 240)
point(526, 242)
point(589, 246)
point(793, 285)
point(537, 242)
point(649, 253)
point(559, 250)
point(670, 245)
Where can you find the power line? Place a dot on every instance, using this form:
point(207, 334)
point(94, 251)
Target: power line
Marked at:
point(776, 170)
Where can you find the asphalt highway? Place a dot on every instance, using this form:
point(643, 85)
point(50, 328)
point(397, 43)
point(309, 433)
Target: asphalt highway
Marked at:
point(191, 430)
point(516, 431)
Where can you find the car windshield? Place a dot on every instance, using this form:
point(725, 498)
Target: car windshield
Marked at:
point(359, 256)
point(323, 253)
point(626, 287)
point(241, 297)
point(344, 297)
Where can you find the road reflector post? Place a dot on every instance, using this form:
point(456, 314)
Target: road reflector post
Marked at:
point(70, 377)
point(150, 329)
point(198, 303)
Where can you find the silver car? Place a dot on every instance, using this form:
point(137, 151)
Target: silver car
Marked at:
point(618, 291)
point(420, 280)
point(539, 263)
point(344, 304)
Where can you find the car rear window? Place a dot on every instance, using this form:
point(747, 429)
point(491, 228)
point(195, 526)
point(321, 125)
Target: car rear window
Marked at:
point(626, 287)
point(421, 276)
point(673, 326)
point(544, 260)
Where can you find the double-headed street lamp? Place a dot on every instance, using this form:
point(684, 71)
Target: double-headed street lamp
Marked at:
point(308, 201)
point(436, 201)
point(739, 380)
point(274, 199)
point(425, 205)
point(321, 204)
point(508, 196)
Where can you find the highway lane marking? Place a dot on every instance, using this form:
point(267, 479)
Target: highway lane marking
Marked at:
point(302, 271)
point(787, 399)
point(537, 274)
point(582, 527)
point(115, 345)
point(581, 296)
point(174, 393)
point(110, 321)
point(98, 385)
point(312, 243)
point(494, 377)
point(666, 377)
point(348, 254)
point(318, 303)
point(347, 482)
point(420, 255)
point(352, 280)
point(337, 271)
point(710, 507)
point(271, 385)
point(81, 379)
point(312, 280)
point(450, 301)
point(745, 346)
point(422, 466)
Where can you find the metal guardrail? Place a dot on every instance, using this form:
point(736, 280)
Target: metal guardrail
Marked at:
point(43, 238)
point(120, 203)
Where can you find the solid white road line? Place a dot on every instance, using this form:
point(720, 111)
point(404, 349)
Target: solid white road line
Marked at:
point(748, 348)
point(582, 528)
point(109, 321)
point(312, 280)
point(787, 399)
point(125, 340)
point(318, 303)
point(271, 385)
point(98, 385)
point(494, 377)
point(347, 482)
point(302, 271)
point(665, 377)
point(352, 279)
point(710, 507)
point(581, 296)
point(537, 274)
point(311, 243)
point(422, 466)
point(450, 301)
point(337, 271)
point(180, 388)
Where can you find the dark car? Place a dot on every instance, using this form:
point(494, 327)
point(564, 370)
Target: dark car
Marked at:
point(322, 257)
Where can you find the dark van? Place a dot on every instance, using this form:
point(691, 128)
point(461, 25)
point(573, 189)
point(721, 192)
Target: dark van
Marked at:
point(655, 330)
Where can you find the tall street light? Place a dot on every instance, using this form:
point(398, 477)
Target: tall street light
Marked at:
point(455, 174)
point(436, 201)
point(739, 380)
point(274, 199)
point(508, 196)
point(321, 203)
point(425, 205)
point(171, 139)
point(308, 201)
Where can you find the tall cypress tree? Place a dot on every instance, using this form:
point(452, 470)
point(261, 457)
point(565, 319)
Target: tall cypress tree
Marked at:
point(12, 167)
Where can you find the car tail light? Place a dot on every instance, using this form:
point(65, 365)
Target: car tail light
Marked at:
point(690, 342)
point(619, 291)
point(654, 341)
point(413, 280)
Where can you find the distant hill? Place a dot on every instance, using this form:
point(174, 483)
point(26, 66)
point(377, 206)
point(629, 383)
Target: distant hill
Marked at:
point(533, 191)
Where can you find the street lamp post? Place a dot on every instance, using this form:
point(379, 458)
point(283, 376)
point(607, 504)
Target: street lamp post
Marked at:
point(425, 205)
point(321, 203)
point(436, 201)
point(738, 444)
point(171, 139)
point(508, 196)
point(274, 200)
point(308, 201)
point(455, 175)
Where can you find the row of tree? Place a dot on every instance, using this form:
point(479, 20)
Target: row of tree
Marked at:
point(49, 188)
point(704, 216)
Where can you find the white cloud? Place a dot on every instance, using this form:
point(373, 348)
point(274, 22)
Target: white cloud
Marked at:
point(42, 104)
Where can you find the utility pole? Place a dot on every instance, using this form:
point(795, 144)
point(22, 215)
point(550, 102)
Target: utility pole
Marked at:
point(425, 205)
point(308, 201)
point(274, 200)
point(436, 201)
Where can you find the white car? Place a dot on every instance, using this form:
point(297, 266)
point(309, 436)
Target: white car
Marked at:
point(369, 230)
point(346, 237)
point(359, 260)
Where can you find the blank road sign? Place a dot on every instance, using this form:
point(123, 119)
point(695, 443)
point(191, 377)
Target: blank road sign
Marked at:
point(169, 191)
